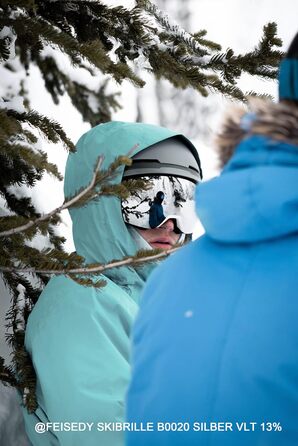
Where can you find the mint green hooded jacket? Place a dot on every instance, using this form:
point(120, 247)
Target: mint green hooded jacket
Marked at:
point(79, 337)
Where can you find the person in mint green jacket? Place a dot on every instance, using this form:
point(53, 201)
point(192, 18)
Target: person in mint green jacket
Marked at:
point(79, 337)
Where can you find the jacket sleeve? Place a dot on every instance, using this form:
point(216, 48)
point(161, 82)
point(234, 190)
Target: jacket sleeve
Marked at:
point(79, 341)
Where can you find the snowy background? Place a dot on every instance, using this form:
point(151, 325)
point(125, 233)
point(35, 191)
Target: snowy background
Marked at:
point(232, 23)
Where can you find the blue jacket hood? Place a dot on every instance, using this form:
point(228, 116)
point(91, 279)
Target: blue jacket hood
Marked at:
point(256, 196)
point(99, 231)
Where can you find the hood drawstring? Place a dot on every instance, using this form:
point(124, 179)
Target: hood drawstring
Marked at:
point(138, 239)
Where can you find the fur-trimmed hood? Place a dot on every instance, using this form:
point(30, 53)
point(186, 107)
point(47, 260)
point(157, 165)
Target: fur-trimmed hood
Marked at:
point(277, 121)
point(256, 196)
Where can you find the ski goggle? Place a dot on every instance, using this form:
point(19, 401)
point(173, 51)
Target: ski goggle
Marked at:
point(167, 197)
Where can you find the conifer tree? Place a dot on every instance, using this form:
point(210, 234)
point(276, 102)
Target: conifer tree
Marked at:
point(189, 113)
point(104, 42)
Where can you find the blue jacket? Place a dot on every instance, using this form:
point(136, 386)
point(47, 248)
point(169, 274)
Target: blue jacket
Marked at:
point(216, 339)
point(79, 337)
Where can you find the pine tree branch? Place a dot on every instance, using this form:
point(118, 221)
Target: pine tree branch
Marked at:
point(142, 31)
point(140, 258)
point(97, 178)
point(95, 105)
point(60, 208)
point(49, 128)
point(6, 374)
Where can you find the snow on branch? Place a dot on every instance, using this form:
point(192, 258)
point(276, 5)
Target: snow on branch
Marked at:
point(174, 29)
point(117, 36)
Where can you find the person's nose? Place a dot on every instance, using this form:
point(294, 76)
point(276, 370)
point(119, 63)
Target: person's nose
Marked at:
point(168, 226)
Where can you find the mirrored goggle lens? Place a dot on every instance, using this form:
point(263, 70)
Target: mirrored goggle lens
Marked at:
point(167, 198)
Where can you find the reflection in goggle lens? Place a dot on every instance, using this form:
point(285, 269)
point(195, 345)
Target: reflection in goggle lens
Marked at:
point(166, 197)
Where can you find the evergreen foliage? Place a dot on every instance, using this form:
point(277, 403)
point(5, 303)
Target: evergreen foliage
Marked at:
point(191, 60)
point(95, 35)
point(101, 41)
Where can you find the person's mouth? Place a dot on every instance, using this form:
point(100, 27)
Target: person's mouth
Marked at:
point(162, 243)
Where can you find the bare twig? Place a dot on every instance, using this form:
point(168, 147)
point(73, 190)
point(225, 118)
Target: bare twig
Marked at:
point(94, 269)
point(65, 205)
